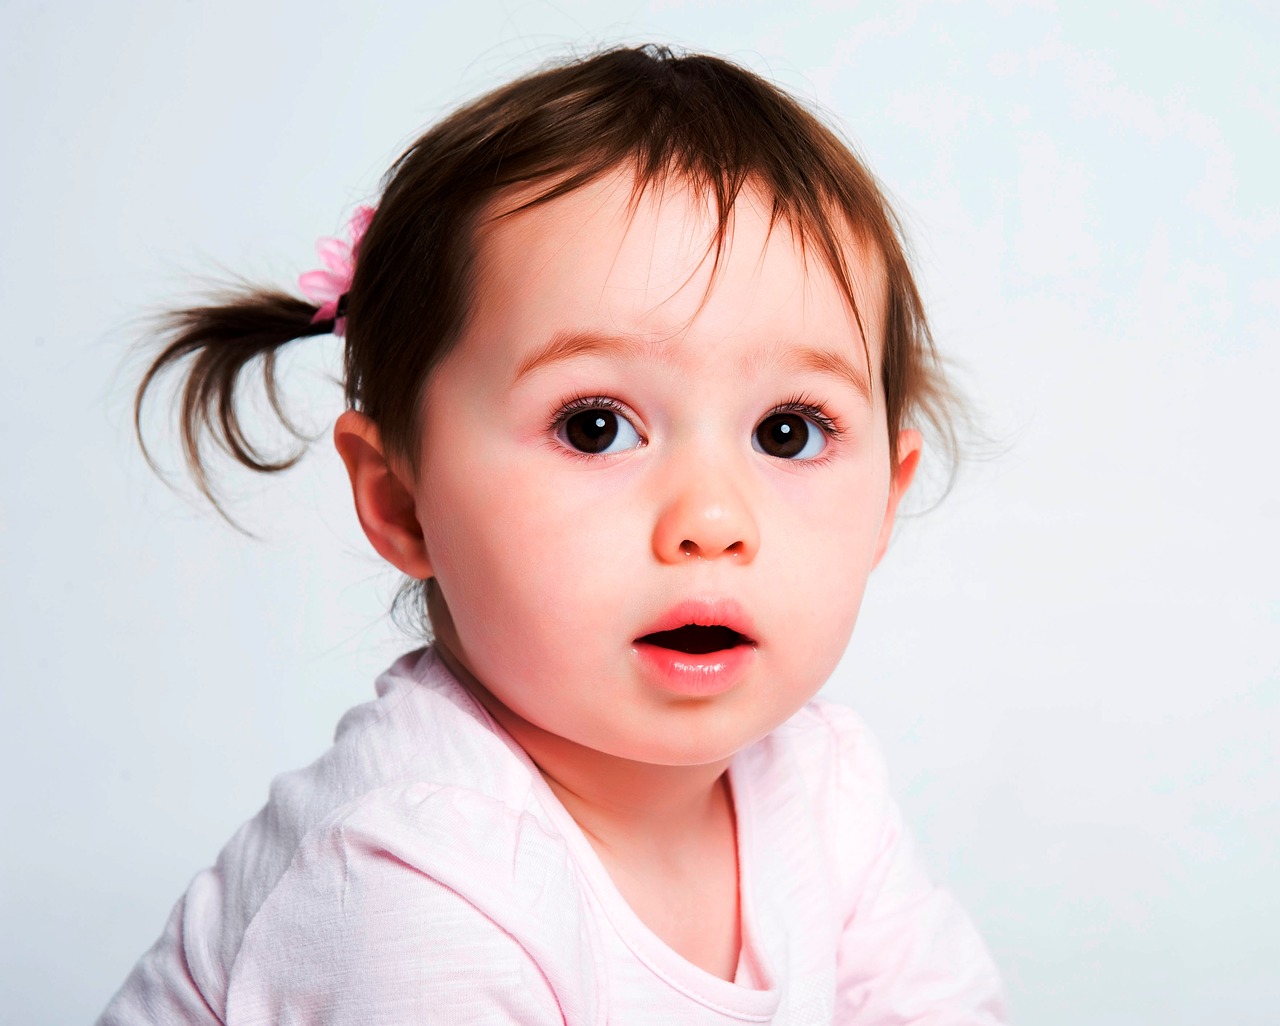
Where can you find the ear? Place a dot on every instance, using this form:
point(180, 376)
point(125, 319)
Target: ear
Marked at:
point(909, 443)
point(384, 504)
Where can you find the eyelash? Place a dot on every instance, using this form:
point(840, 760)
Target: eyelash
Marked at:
point(577, 404)
point(807, 406)
point(802, 404)
point(584, 402)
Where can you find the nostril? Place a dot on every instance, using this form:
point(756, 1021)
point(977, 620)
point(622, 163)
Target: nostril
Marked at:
point(692, 548)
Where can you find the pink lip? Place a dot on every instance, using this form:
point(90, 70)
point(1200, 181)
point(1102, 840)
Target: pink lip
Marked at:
point(698, 674)
point(705, 613)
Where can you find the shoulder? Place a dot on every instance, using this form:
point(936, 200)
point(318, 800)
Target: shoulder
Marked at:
point(907, 951)
point(376, 881)
point(414, 838)
point(420, 898)
point(423, 734)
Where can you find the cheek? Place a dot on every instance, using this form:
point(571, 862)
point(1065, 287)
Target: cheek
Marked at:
point(520, 556)
point(823, 546)
point(831, 521)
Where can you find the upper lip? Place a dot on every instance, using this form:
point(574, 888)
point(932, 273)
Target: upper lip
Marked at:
point(704, 612)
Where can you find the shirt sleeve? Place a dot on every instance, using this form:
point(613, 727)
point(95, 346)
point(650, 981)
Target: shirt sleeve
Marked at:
point(161, 987)
point(356, 932)
point(908, 954)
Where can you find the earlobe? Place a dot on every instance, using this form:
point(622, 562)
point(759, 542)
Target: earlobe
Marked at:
point(909, 445)
point(384, 504)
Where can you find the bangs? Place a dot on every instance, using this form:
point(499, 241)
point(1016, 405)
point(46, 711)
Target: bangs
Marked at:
point(716, 130)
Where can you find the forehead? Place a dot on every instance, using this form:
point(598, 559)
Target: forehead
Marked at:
point(657, 263)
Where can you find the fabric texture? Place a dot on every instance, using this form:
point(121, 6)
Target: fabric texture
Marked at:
point(422, 871)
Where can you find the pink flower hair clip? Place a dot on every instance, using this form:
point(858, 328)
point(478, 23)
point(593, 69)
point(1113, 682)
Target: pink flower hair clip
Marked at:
point(326, 288)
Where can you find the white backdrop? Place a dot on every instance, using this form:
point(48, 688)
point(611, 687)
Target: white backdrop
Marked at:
point(1072, 663)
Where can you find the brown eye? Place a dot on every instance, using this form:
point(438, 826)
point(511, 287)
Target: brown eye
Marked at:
point(789, 436)
point(598, 431)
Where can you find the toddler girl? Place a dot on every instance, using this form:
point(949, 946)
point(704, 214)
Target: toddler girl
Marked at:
point(633, 359)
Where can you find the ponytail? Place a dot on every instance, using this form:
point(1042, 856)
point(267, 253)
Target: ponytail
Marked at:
point(222, 339)
point(226, 337)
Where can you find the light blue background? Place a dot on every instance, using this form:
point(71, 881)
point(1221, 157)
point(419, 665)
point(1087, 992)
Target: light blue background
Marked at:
point(1072, 663)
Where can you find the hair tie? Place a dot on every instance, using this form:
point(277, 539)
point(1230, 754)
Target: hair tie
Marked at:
point(328, 288)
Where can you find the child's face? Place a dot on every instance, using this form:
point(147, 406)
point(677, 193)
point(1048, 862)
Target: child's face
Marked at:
point(610, 451)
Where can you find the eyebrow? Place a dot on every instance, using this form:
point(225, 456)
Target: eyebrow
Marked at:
point(566, 345)
point(825, 361)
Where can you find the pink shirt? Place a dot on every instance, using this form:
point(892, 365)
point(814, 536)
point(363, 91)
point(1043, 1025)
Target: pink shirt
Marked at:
point(422, 871)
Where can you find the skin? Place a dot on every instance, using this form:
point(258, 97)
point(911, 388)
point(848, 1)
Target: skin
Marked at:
point(551, 563)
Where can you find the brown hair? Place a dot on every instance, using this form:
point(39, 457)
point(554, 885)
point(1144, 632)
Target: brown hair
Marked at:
point(702, 119)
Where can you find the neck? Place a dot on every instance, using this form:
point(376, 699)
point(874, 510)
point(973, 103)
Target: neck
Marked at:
point(658, 815)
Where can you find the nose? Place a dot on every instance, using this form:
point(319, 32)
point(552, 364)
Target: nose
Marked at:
point(706, 516)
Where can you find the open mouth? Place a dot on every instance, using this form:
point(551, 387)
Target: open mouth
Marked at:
point(695, 639)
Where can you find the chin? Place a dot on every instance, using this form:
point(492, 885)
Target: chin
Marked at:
point(699, 742)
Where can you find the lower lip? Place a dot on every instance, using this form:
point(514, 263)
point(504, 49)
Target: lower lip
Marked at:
point(697, 675)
